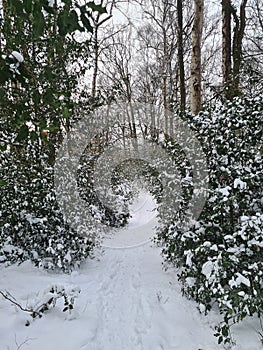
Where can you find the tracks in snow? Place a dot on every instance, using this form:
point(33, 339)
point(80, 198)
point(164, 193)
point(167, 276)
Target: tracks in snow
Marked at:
point(124, 312)
point(139, 306)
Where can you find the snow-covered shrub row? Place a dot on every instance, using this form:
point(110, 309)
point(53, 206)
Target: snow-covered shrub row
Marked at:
point(221, 256)
point(102, 213)
point(32, 226)
point(39, 84)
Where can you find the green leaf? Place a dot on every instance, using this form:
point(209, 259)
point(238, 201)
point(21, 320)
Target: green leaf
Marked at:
point(47, 8)
point(57, 104)
point(62, 22)
point(5, 74)
point(43, 124)
point(25, 117)
point(47, 73)
point(68, 22)
point(86, 23)
point(22, 133)
point(36, 97)
point(33, 136)
point(97, 8)
point(65, 113)
point(225, 330)
point(28, 6)
point(3, 148)
point(73, 21)
point(48, 97)
point(16, 6)
point(38, 25)
point(3, 183)
point(52, 128)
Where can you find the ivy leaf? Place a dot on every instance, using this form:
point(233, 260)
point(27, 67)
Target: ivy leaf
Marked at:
point(97, 8)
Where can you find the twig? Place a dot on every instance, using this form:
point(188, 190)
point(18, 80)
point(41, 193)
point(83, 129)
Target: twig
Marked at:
point(23, 343)
point(10, 298)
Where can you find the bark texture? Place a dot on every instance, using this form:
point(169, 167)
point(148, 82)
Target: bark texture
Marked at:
point(226, 46)
point(181, 54)
point(195, 78)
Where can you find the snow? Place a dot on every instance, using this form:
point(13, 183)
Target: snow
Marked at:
point(127, 301)
point(18, 56)
point(240, 279)
point(207, 268)
point(240, 183)
point(141, 225)
point(225, 191)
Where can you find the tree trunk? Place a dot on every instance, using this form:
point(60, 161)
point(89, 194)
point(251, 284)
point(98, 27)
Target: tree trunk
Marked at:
point(226, 46)
point(195, 77)
point(164, 80)
point(96, 63)
point(181, 54)
point(237, 45)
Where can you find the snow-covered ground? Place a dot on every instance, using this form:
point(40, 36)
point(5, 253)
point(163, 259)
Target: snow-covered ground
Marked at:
point(127, 302)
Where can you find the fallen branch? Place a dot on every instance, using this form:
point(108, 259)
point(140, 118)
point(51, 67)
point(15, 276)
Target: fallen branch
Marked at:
point(50, 296)
point(10, 298)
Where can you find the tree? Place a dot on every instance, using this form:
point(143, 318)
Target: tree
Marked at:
point(232, 47)
point(226, 45)
point(220, 254)
point(239, 29)
point(98, 21)
point(181, 54)
point(38, 88)
point(116, 75)
point(195, 77)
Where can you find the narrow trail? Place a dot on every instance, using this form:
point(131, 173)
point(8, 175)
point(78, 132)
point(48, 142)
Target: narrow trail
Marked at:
point(139, 306)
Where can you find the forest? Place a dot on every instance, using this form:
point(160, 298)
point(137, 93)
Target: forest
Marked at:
point(100, 100)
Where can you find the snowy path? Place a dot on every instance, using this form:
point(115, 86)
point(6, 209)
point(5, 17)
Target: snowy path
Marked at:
point(127, 302)
point(139, 306)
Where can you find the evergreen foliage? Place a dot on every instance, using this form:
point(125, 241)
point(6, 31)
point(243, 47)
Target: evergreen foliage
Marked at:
point(221, 255)
point(40, 63)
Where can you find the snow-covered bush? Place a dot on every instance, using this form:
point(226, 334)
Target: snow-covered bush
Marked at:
point(32, 226)
point(104, 214)
point(221, 255)
point(38, 89)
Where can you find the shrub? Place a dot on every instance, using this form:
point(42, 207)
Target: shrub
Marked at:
point(221, 255)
